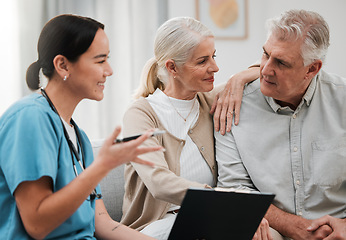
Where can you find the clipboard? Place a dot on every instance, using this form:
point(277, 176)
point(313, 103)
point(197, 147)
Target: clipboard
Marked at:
point(209, 214)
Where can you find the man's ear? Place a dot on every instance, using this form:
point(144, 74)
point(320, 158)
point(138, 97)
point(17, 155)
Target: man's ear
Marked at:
point(171, 67)
point(61, 65)
point(313, 69)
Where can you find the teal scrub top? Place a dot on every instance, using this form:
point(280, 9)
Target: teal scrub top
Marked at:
point(33, 145)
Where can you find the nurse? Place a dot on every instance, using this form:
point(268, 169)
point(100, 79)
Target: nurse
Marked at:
point(48, 177)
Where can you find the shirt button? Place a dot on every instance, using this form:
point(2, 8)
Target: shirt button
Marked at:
point(294, 116)
point(300, 213)
point(298, 182)
point(191, 131)
point(202, 149)
point(295, 149)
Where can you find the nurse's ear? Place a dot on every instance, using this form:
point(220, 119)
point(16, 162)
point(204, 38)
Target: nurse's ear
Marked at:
point(61, 65)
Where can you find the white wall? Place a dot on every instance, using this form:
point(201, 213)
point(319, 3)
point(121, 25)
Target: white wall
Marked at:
point(235, 55)
point(9, 53)
point(232, 55)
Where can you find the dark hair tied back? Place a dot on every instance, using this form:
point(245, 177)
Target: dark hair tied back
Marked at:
point(32, 75)
point(67, 35)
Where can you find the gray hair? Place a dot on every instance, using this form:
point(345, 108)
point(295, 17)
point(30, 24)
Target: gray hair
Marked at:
point(309, 26)
point(175, 39)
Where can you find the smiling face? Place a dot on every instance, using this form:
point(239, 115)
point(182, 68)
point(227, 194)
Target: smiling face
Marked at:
point(88, 74)
point(197, 74)
point(283, 75)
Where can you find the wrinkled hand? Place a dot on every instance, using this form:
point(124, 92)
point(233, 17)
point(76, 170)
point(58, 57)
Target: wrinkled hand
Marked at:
point(338, 227)
point(115, 154)
point(227, 104)
point(263, 232)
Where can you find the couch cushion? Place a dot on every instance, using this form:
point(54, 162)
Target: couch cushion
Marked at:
point(112, 187)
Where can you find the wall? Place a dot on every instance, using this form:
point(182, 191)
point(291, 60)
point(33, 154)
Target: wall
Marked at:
point(235, 55)
point(9, 54)
point(131, 27)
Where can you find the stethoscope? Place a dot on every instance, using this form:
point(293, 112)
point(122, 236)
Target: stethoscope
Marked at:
point(73, 150)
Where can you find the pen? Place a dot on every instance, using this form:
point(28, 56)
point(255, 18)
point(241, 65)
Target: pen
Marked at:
point(137, 136)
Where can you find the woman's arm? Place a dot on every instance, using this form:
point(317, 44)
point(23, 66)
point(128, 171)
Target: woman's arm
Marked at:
point(228, 101)
point(107, 228)
point(43, 210)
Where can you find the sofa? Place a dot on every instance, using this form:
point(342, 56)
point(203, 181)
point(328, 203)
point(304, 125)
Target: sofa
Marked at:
point(112, 187)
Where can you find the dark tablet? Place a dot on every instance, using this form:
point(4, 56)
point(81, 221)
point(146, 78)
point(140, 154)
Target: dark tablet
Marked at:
point(217, 215)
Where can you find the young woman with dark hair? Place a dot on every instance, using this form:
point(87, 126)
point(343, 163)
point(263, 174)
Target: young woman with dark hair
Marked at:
point(48, 176)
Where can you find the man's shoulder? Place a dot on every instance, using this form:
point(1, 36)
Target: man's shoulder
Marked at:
point(331, 79)
point(252, 88)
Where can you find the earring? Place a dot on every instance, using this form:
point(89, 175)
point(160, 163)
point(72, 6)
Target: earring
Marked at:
point(65, 78)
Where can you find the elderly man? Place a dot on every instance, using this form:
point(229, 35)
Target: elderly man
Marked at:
point(291, 137)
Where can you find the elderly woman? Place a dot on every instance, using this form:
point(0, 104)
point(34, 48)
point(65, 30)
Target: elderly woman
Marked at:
point(176, 96)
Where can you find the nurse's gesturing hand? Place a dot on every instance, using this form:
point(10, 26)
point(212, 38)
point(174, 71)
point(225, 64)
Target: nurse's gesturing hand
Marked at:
point(115, 154)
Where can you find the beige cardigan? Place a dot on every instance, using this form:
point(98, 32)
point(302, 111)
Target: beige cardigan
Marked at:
point(150, 191)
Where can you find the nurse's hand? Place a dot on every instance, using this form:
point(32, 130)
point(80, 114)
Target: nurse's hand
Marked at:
point(115, 154)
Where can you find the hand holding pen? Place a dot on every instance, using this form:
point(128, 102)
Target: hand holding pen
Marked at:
point(113, 154)
point(155, 133)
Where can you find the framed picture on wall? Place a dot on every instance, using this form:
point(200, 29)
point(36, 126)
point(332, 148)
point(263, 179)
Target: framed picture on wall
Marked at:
point(228, 19)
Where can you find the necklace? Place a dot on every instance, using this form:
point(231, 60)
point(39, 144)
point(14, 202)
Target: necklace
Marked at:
point(170, 101)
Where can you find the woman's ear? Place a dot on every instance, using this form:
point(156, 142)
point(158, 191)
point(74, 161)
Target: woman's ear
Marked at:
point(171, 67)
point(61, 66)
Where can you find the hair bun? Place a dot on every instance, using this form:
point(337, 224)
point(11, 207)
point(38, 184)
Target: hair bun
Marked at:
point(32, 75)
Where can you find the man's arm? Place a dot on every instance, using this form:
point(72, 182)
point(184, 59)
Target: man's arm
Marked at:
point(231, 171)
point(294, 226)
